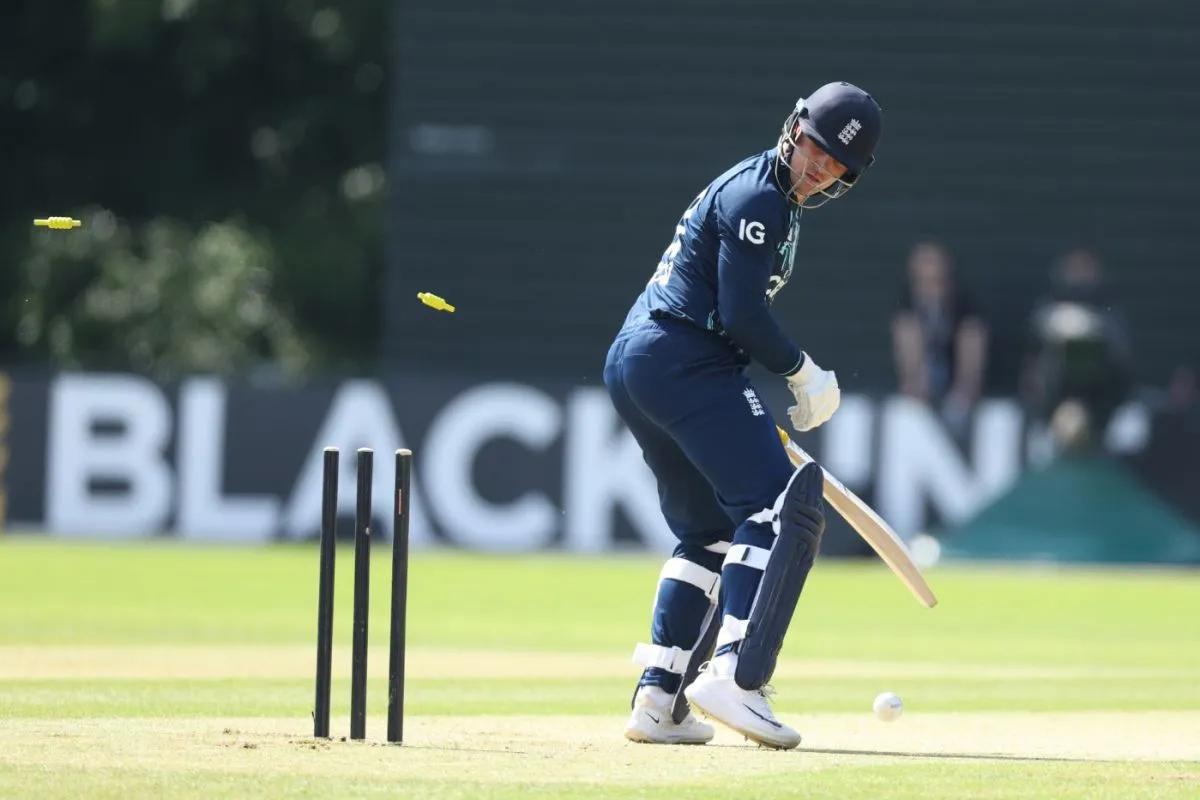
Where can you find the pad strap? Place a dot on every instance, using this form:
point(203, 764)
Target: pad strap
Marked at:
point(732, 630)
point(748, 556)
point(672, 659)
point(767, 516)
point(680, 569)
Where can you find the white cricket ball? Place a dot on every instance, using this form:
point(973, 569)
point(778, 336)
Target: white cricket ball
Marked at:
point(888, 706)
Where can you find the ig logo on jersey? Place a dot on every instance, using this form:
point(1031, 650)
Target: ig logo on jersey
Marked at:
point(753, 232)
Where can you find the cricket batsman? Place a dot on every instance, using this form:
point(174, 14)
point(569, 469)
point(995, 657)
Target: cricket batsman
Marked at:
point(748, 524)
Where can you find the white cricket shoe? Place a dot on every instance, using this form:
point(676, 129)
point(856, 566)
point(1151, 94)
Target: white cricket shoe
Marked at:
point(716, 695)
point(651, 721)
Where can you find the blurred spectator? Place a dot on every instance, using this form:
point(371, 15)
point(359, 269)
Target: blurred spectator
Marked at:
point(1181, 391)
point(1078, 365)
point(1177, 394)
point(939, 341)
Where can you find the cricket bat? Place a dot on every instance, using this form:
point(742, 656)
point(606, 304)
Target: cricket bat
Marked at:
point(867, 524)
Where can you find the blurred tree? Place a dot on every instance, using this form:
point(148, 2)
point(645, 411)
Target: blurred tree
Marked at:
point(171, 118)
point(165, 301)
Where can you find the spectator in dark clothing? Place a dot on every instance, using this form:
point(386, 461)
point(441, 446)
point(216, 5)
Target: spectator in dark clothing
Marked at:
point(1078, 366)
point(939, 340)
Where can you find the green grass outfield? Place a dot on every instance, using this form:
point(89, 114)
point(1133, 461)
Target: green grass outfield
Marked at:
point(166, 670)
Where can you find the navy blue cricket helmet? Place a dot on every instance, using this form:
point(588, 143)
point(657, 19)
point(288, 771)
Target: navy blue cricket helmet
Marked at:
point(842, 120)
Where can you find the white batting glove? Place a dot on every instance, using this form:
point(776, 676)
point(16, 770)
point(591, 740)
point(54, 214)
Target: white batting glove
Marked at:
point(817, 396)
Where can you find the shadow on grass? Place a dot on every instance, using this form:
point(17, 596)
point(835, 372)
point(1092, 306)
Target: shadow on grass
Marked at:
point(958, 756)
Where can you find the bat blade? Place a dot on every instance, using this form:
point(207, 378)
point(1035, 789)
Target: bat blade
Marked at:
point(886, 543)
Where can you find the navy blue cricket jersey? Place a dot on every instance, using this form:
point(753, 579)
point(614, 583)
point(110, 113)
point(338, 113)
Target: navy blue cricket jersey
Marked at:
point(732, 251)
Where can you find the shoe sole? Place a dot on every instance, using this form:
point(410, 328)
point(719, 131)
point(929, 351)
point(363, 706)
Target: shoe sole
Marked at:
point(754, 737)
point(635, 735)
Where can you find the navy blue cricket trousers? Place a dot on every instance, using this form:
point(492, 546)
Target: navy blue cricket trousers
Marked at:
point(715, 453)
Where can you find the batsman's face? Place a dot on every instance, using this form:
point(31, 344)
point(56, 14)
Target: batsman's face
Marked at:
point(813, 170)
